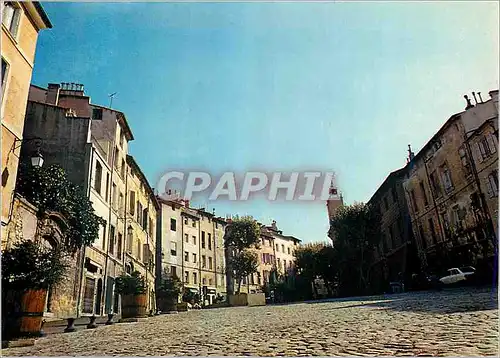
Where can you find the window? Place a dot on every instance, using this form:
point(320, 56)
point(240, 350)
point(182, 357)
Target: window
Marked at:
point(139, 212)
point(194, 223)
point(216, 225)
point(194, 259)
point(413, 200)
point(203, 239)
point(204, 281)
point(138, 255)
point(117, 157)
point(492, 184)
point(120, 202)
point(186, 256)
point(186, 237)
point(436, 188)
point(288, 250)
point(386, 204)
point(445, 174)
point(107, 187)
point(203, 261)
point(97, 113)
point(209, 263)
point(122, 172)
point(111, 248)
point(151, 228)
point(282, 248)
point(113, 194)
point(210, 282)
point(5, 71)
point(433, 231)
point(195, 278)
point(194, 240)
point(209, 241)
point(484, 148)
point(11, 17)
point(186, 277)
point(465, 161)
point(277, 247)
point(132, 203)
point(119, 246)
point(173, 248)
point(173, 225)
point(98, 177)
point(424, 194)
point(173, 271)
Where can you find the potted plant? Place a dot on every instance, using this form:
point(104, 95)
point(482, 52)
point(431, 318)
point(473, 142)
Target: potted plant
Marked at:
point(132, 289)
point(28, 270)
point(168, 291)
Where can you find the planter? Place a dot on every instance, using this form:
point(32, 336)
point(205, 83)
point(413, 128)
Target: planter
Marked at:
point(23, 312)
point(134, 306)
point(167, 304)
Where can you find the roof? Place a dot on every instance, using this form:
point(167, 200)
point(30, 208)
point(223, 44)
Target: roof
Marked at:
point(133, 164)
point(392, 175)
point(42, 14)
point(122, 119)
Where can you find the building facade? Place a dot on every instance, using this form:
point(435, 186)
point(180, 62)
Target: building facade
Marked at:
point(21, 23)
point(191, 247)
point(91, 143)
point(450, 222)
point(140, 217)
point(395, 258)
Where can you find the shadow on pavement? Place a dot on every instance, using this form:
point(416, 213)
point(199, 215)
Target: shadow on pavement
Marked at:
point(445, 301)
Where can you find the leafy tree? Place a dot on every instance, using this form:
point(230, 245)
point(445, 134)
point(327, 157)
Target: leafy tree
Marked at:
point(243, 264)
point(356, 232)
point(49, 189)
point(242, 234)
point(169, 287)
point(307, 262)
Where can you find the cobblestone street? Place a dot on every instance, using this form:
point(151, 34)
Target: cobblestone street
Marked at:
point(455, 322)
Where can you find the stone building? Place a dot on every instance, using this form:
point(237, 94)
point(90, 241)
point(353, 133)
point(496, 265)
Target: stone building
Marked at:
point(395, 258)
point(91, 143)
point(275, 252)
point(21, 23)
point(139, 222)
point(451, 224)
point(190, 246)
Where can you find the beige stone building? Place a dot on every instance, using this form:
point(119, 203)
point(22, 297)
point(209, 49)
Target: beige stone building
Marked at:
point(91, 143)
point(191, 247)
point(140, 217)
point(450, 222)
point(21, 23)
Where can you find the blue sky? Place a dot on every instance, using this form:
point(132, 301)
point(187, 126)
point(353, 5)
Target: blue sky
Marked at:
point(341, 87)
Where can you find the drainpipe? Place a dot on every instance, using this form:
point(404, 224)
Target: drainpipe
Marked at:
point(105, 284)
point(182, 249)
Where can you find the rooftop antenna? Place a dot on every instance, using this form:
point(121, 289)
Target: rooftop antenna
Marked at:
point(111, 98)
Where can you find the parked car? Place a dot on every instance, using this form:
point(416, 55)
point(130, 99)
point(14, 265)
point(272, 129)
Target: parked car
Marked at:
point(458, 275)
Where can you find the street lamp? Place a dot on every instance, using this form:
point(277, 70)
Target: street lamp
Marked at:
point(37, 159)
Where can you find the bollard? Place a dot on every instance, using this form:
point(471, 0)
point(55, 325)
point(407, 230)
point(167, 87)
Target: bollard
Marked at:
point(42, 333)
point(92, 324)
point(110, 319)
point(151, 313)
point(71, 326)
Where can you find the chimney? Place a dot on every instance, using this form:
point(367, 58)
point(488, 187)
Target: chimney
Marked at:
point(474, 95)
point(480, 98)
point(411, 155)
point(494, 95)
point(469, 105)
point(53, 93)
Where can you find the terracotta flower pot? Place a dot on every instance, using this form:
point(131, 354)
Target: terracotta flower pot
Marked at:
point(134, 306)
point(24, 313)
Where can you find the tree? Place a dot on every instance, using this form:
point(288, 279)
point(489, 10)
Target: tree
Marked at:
point(243, 264)
point(242, 234)
point(356, 229)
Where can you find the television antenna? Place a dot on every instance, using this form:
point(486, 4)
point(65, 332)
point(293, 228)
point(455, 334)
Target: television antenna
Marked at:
point(111, 98)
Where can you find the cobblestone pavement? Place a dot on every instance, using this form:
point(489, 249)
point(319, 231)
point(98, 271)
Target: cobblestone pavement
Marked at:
point(456, 322)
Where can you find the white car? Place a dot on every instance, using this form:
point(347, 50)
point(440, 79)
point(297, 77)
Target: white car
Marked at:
point(456, 275)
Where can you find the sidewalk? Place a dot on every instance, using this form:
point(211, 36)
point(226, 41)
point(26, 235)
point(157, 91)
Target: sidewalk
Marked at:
point(58, 326)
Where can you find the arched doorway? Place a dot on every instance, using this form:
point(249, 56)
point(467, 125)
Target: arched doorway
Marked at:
point(97, 308)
